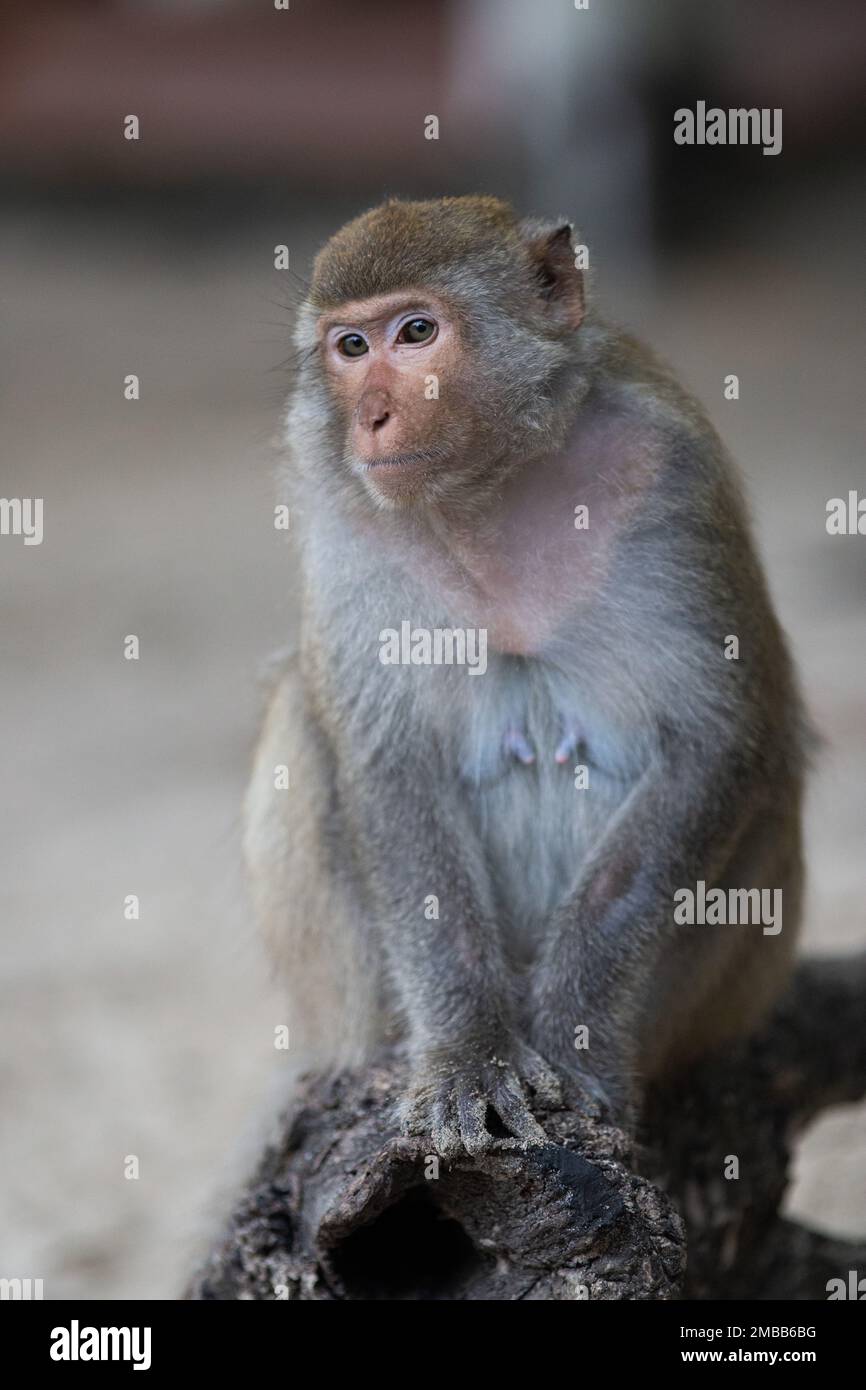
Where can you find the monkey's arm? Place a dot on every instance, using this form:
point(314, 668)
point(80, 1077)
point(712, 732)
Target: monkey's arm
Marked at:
point(613, 943)
point(446, 964)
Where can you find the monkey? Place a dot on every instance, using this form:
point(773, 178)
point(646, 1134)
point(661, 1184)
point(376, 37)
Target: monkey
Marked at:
point(473, 447)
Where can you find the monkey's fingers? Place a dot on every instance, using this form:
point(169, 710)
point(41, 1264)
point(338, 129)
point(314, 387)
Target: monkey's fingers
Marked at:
point(444, 1125)
point(471, 1112)
point(413, 1112)
point(585, 1093)
point(542, 1079)
point(512, 1107)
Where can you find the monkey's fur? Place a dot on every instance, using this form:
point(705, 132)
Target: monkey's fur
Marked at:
point(555, 904)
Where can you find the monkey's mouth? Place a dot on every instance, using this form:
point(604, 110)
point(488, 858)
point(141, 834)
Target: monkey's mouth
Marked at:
point(416, 458)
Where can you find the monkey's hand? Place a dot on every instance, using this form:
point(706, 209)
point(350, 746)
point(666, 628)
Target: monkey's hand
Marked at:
point(594, 1087)
point(453, 1092)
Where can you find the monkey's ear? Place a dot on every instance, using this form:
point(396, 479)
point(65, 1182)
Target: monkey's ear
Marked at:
point(560, 282)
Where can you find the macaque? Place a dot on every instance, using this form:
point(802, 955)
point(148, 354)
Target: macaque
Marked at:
point(481, 866)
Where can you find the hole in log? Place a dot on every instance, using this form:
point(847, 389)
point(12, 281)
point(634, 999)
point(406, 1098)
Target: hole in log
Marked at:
point(411, 1251)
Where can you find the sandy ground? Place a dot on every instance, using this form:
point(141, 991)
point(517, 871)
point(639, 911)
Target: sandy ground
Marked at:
point(155, 1038)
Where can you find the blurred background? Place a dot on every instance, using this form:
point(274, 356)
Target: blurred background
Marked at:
point(262, 127)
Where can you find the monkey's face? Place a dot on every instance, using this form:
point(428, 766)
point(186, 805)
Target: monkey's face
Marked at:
point(439, 343)
point(397, 371)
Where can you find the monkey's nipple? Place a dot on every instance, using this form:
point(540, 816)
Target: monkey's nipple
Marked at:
point(517, 745)
point(570, 742)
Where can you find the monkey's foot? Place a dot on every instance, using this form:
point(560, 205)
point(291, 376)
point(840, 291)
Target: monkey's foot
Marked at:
point(451, 1099)
point(517, 745)
point(583, 1090)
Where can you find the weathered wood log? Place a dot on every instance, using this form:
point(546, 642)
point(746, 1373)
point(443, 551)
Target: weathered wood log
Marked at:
point(343, 1207)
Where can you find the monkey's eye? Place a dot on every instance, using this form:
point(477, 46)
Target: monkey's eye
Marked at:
point(352, 345)
point(417, 331)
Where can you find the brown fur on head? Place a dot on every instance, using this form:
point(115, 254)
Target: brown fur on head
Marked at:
point(497, 376)
point(400, 244)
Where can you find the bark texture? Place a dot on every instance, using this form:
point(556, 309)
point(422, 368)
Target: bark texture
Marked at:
point(343, 1207)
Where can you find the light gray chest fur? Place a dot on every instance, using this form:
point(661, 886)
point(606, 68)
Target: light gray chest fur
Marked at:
point(535, 823)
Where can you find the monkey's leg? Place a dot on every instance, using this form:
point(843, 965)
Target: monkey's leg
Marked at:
point(722, 980)
point(449, 973)
point(608, 945)
point(307, 897)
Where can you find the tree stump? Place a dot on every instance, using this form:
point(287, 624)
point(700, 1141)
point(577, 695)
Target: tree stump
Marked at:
point(342, 1207)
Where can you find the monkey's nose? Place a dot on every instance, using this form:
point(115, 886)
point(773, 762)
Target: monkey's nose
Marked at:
point(374, 411)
